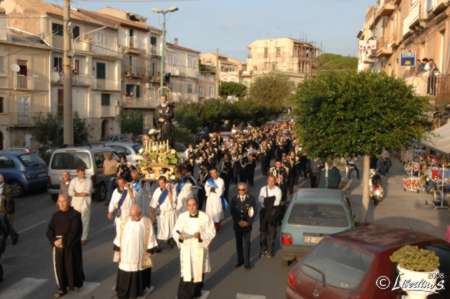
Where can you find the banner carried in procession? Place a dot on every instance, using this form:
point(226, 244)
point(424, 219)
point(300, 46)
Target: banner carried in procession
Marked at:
point(408, 59)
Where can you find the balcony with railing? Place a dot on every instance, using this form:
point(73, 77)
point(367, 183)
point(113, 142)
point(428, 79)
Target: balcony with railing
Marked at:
point(24, 118)
point(383, 48)
point(81, 79)
point(385, 8)
point(412, 18)
point(109, 111)
point(435, 6)
point(437, 87)
point(146, 102)
point(137, 70)
point(105, 84)
point(82, 45)
point(133, 43)
point(23, 82)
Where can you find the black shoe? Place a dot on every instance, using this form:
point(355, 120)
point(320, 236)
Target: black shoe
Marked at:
point(15, 239)
point(59, 294)
point(248, 267)
point(238, 265)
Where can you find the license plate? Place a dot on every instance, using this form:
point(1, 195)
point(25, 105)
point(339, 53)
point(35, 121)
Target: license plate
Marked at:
point(42, 175)
point(312, 239)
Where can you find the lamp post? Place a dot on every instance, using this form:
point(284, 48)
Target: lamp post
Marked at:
point(163, 12)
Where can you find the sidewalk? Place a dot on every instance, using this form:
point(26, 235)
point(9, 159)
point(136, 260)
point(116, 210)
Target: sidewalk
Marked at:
point(403, 209)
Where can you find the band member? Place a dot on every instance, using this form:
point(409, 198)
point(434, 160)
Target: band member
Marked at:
point(269, 200)
point(214, 188)
point(193, 233)
point(243, 211)
point(64, 233)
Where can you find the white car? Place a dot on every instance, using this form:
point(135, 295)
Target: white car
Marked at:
point(129, 149)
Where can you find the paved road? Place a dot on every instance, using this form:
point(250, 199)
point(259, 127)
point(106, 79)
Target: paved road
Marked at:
point(29, 272)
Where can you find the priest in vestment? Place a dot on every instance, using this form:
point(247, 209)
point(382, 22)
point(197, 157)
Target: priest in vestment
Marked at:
point(120, 204)
point(193, 233)
point(64, 233)
point(163, 206)
point(135, 244)
point(214, 188)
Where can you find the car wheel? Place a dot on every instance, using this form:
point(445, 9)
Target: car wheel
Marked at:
point(101, 193)
point(17, 189)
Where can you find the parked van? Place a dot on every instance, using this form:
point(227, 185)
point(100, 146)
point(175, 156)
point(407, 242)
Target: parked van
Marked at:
point(70, 158)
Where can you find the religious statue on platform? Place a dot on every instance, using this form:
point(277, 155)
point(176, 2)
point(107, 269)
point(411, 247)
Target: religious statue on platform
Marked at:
point(164, 120)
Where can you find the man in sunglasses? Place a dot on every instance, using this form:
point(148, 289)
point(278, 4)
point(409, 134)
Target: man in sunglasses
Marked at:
point(243, 212)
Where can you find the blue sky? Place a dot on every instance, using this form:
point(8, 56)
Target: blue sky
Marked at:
point(230, 25)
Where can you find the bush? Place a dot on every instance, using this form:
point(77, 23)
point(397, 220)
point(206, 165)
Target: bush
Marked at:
point(415, 259)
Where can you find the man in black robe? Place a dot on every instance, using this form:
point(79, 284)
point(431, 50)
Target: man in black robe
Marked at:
point(164, 120)
point(64, 233)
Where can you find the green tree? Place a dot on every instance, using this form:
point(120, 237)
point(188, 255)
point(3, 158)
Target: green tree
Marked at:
point(132, 122)
point(340, 114)
point(232, 89)
point(49, 130)
point(272, 90)
point(335, 62)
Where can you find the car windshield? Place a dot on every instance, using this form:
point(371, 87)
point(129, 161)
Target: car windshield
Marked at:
point(342, 266)
point(71, 160)
point(31, 159)
point(318, 215)
point(137, 147)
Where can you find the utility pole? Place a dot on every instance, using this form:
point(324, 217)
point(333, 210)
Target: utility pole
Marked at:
point(163, 12)
point(67, 73)
point(217, 73)
point(163, 57)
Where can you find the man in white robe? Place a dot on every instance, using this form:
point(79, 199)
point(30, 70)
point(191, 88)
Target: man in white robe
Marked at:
point(80, 190)
point(184, 190)
point(163, 207)
point(120, 204)
point(135, 245)
point(193, 233)
point(214, 188)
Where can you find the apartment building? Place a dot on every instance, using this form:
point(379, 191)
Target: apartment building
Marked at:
point(183, 69)
point(404, 33)
point(96, 57)
point(229, 68)
point(24, 88)
point(288, 56)
point(140, 46)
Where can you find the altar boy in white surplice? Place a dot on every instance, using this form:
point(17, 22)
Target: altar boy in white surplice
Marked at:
point(193, 233)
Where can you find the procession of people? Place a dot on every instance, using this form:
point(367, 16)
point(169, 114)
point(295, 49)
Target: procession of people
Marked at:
point(214, 179)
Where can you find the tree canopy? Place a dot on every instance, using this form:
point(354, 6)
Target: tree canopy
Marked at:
point(272, 89)
point(339, 114)
point(232, 89)
point(335, 62)
point(214, 112)
point(49, 130)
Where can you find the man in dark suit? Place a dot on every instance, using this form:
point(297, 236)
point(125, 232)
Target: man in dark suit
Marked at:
point(243, 212)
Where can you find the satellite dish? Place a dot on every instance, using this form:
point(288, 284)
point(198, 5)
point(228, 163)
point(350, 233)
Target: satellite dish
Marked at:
point(15, 68)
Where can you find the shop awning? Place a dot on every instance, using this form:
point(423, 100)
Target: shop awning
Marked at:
point(439, 139)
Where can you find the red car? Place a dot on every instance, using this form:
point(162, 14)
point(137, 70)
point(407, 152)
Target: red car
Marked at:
point(356, 265)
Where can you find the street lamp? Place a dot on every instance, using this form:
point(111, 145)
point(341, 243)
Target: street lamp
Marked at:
point(163, 12)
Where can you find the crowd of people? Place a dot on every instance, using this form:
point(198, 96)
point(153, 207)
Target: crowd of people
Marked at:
point(216, 175)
